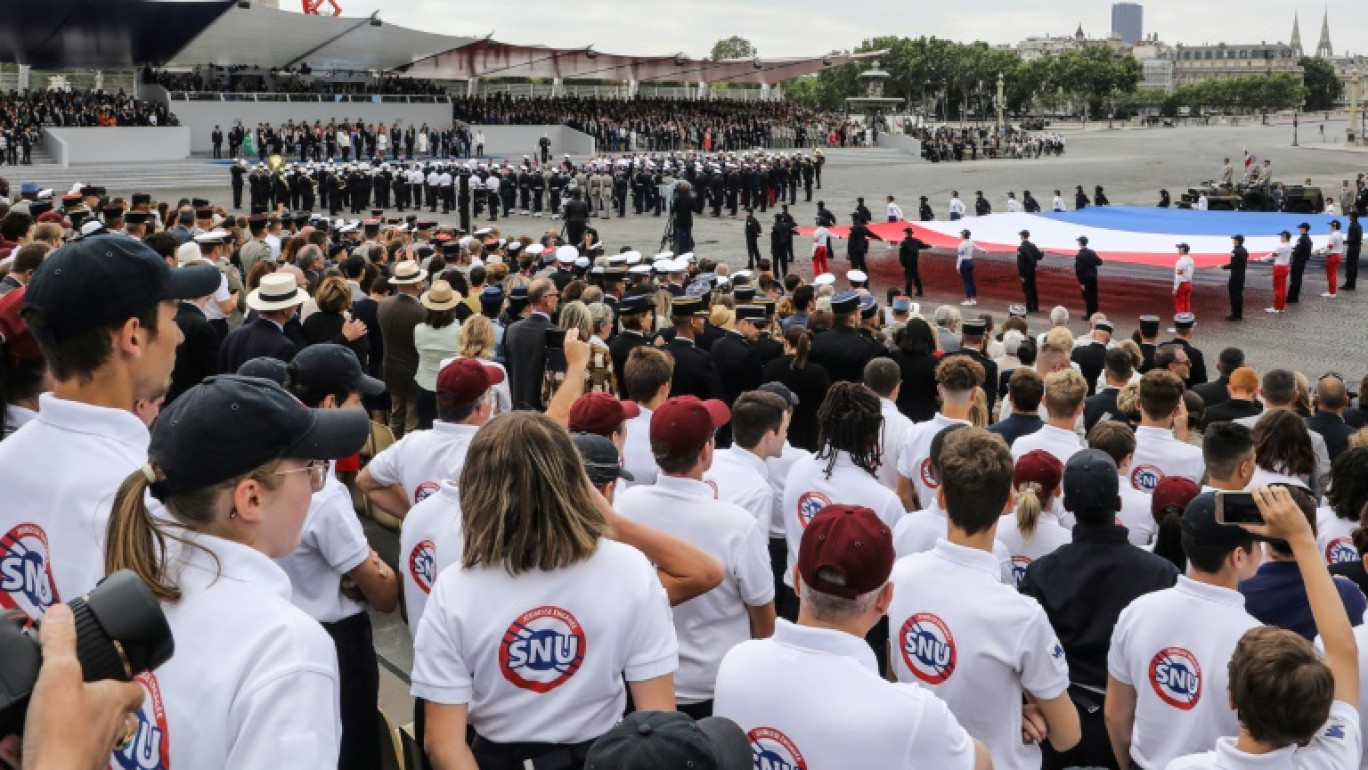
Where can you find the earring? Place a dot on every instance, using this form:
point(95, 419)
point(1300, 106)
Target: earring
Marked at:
point(232, 514)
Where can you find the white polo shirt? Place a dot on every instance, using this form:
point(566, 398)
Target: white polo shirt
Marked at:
point(813, 697)
point(331, 544)
point(892, 443)
point(1173, 647)
point(420, 461)
point(976, 643)
point(541, 656)
point(914, 462)
point(1360, 636)
point(1335, 536)
point(708, 625)
point(1159, 455)
point(1183, 270)
point(779, 468)
point(1060, 443)
point(918, 532)
point(808, 490)
point(637, 456)
point(1339, 744)
point(59, 475)
point(739, 477)
point(1136, 513)
point(418, 538)
point(1049, 534)
point(254, 680)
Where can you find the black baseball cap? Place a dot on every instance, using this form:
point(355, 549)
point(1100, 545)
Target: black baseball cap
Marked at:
point(252, 422)
point(781, 390)
point(327, 366)
point(601, 459)
point(651, 740)
point(266, 368)
point(1091, 483)
point(1199, 523)
point(104, 279)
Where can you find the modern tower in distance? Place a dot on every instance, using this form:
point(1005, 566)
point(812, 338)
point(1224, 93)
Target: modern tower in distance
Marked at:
point(1128, 21)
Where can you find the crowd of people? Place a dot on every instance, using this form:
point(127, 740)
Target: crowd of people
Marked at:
point(734, 494)
point(30, 109)
point(252, 80)
point(946, 143)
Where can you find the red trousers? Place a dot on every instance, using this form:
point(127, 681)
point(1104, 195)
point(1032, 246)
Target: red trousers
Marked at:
point(819, 261)
point(1332, 263)
point(1182, 301)
point(1280, 273)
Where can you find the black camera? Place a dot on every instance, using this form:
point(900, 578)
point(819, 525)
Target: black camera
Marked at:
point(120, 632)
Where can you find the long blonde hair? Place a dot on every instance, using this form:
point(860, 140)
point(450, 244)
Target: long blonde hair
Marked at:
point(525, 502)
point(1029, 507)
point(477, 337)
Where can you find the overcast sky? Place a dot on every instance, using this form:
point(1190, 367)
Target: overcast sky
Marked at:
point(806, 27)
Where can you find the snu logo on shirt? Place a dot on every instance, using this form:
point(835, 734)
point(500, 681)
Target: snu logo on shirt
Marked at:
point(26, 571)
point(772, 750)
point(1019, 565)
point(542, 649)
point(1146, 477)
point(1340, 551)
point(424, 491)
point(1177, 677)
point(927, 647)
point(927, 477)
point(423, 565)
point(151, 745)
point(810, 504)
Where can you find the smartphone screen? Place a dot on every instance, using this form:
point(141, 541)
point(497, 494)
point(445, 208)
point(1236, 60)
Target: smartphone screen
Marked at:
point(1237, 508)
point(555, 338)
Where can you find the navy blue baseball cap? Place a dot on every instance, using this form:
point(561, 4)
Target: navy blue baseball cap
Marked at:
point(635, 304)
point(251, 422)
point(266, 368)
point(326, 366)
point(101, 280)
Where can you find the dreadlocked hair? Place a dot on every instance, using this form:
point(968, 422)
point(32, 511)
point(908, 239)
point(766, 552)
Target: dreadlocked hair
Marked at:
point(850, 420)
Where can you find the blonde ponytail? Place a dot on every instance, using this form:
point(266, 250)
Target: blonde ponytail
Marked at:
point(1028, 509)
point(135, 541)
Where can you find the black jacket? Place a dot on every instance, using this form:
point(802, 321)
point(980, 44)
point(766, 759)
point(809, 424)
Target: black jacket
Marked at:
point(525, 346)
point(1301, 252)
point(197, 355)
point(1100, 406)
point(990, 374)
point(1229, 410)
point(694, 373)
point(1086, 264)
point(1333, 429)
point(1214, 392)
point(752, 228)
point(1239, 258)
point(810, 385)
point(909, 252)
point(1197, 373)
point(859, 238)
point(1091, 360)
point(1028, 254)
point(843, 352)
point(619, 349)
point(254, 340)
point(1016, 426)
point(917, 398)
point(737, 368)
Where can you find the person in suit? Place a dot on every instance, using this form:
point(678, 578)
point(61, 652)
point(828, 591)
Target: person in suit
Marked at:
point(1239, 258)
point(1332, 398)
point(525, 345)
point(1148, 340)
point(1028, 255)
point(1086, 263)
point(1215, 391)
point(1241, 401)
point(217, 139)
point(1102, 404)
point(198, 353)
point(276, 301)
point(1183, 324)
point(694, 373)
point(843, 351)
point(1091, 357)
point(398, 316)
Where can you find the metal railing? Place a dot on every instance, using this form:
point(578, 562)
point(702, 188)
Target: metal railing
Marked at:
point(619, 91)
point(308, 98)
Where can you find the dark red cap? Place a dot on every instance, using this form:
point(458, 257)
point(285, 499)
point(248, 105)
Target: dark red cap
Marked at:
point(600, 413)
point(20, 346)
point(684, 424)
point(851, 541)
point(1172, 492)
point(465, 380)
point(1039, 467)
point(54, 217)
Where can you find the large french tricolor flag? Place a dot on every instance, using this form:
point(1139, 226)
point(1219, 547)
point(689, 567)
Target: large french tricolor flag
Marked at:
point(1126, 234)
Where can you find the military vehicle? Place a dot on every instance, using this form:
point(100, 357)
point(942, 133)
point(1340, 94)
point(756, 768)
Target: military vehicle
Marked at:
point(1298, 199)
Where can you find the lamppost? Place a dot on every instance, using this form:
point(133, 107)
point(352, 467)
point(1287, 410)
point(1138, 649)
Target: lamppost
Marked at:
point(1296, 123)
point(1001, 103)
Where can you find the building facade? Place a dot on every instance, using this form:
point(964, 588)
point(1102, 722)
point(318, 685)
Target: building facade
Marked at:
point(1196, 63)
point(1128, 22)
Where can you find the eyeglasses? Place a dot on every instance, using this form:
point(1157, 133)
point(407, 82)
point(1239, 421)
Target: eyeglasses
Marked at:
point(318, 473)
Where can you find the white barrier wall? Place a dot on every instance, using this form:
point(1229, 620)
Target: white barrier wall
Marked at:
point(902, 142)
point(201, 117)
point(517, 141)
point(76, 146)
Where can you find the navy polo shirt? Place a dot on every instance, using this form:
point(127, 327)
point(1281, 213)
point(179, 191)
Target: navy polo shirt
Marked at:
point(1277, 597)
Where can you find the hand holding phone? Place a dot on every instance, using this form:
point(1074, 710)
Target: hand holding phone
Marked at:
point(1237, 508)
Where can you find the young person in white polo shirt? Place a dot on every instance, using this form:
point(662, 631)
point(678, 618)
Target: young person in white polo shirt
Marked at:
point(958, 631)
point(1345, 502)
point(738, 474)
point(1064, 394)
point(883, 376)
point(1118, 441)
point(254, 681)
point(334, 573)
point(410, 470)
point(680, 503)
point(1157, 452)
point(1166, 668)
point(777, 470)
point(1228, 454)
point(103, 311)
point(956, 379)
point(647, 378)
point(1033, 530)
point(530, 640)
point(1296, 708)
point(812, 696)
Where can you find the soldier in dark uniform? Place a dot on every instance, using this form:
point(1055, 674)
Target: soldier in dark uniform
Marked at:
point(859, 238)
point(982, 207)
point(1239, 258)
point(1353, 246)
point(807, 171)
point(753, 232)
point(973, 331)
point(536, 186)
point(637, 315)
point(866, 215)
point(734, 354)
point(766, 347)
point(694, 373)
point(909, 255)
point(1080, 199)
point(843, 351)
point(555, 182)
point(621, 183)
point(924, 212)
point(1028, 203)
point(1301, 254)
point(1149, 341)
point(1086, 263)
point(1197, 371)
point(780, 239)
point(238, 171)
point(1028, 255)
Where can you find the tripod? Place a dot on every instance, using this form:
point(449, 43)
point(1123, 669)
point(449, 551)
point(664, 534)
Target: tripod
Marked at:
point(667, 237)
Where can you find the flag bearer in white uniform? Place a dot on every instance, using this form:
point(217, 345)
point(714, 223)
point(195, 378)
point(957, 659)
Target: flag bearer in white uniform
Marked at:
point(811, 696)
point(334, 573)
point(680, 503)
point(530, 638)
point(1166, 669)
point(964, 635)
point(739, 475)
point(1033, 530)
point(1157, 452)
point(883, 376)
point(1064, 394)
point(254, 681)
point(103, 311)
point(410, 470)
point(647, 378)
point(1297, 709)
point(956, 379)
